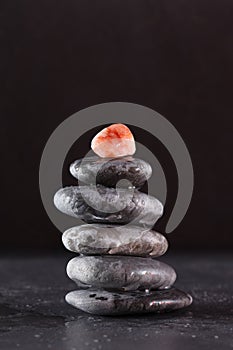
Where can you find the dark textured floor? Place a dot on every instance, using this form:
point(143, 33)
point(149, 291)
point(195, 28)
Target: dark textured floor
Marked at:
point(33, 314)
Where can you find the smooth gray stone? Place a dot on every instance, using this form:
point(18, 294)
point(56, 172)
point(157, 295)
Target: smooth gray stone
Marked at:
point(92, 239)
point(107, 205)
point(108, 171)
point(120, 272)
point(103, 302)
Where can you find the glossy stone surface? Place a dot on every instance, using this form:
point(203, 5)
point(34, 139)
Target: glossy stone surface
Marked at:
point(103, 302)
point(92, 239)
point(120, 273)
point(35, 315)
point(107, 205)
point(107, 172)
point(114, 141)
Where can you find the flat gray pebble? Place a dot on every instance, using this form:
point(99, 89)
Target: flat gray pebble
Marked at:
point(120, 272)
point(109, 303)
point(108, 171)
point(108, 205)
point(92, 239)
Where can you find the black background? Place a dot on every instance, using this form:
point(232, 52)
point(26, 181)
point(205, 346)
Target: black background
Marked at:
point(58, 57)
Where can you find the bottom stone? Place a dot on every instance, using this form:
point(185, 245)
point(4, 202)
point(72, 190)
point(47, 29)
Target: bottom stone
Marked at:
point(106, 302)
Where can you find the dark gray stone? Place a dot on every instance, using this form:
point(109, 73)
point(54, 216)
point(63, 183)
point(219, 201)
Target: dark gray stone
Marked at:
point(92, 239)
point(120, 272)
point(108, 171)
point(103, 302)
point(108, 205)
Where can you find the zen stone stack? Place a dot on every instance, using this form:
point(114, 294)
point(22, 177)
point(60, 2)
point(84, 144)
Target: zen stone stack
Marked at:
point(116, 271)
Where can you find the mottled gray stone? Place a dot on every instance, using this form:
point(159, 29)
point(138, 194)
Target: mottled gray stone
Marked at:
point(92, 239)
point(108, 205)
point(108, 171)
point(103, 302)
point(120, 272)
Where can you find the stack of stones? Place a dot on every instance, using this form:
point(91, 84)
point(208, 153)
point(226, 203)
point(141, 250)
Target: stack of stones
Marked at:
point(116, 271)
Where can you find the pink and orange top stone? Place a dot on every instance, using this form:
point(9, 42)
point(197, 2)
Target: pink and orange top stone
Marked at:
point(114, 141)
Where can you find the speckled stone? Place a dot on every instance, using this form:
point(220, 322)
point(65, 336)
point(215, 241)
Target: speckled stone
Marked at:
point(120, 272)
point(92, 239)
point(103, 302)
point(116, 140)
point(108, 171)
point(115, 207)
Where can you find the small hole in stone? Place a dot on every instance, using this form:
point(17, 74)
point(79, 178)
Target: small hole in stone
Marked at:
point(92, 295)
point(101, 298)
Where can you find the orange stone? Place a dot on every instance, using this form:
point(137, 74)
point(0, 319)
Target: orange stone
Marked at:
point(114, 141)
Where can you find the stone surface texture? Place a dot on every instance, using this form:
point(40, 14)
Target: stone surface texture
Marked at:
point(109, 171)
point(114, 141)
point(120, 272)
point(92, 239)
point(108, 205)
point(102, 302)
